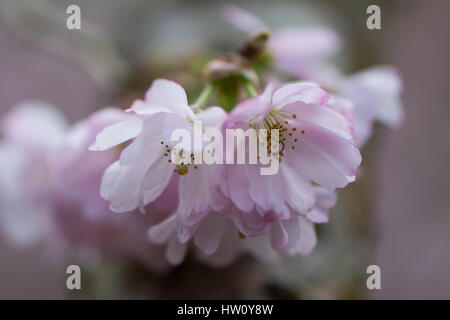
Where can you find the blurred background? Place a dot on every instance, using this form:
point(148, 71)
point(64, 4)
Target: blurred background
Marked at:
point(395, 216)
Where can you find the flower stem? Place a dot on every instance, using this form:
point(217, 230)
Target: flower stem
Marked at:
point(249, 88)
point(203, 98)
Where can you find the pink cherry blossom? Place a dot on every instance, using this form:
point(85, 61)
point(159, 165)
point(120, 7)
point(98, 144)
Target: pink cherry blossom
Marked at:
point(279, 211)
point(317, 147)
point(145, 168)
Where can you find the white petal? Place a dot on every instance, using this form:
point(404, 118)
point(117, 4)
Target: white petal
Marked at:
point(110, 176)
point(307, 239)
point(212, 117)
point(164, 96)
point(117, 133)
point(155, 181)
point(125, 194)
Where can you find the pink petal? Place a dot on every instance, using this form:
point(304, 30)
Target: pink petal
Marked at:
point(278, 237)
point(147, 143)
point(342, 105)
point(326, 158)
point(325, 200)
point(250, 224)
point(155, 182)
point(198, 195)
point(321, 116)
point(307, 237)
point(297, 190)
point(175, 251)
point(292, 228)
point(210, 232)
point(110, 176)
point(161, 232)
point(238, 186)
point(305, 92)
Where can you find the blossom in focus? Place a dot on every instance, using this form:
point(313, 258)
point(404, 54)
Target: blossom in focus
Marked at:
point(316, 148)
point(145, 166)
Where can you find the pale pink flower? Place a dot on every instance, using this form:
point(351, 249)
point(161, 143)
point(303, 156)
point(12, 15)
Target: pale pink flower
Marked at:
point(316, 147)
point(145, 167)
point(375, 94)
point(302, 52)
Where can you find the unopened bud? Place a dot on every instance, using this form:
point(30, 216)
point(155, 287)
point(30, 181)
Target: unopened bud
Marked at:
point(231, 65)
point(255, 45)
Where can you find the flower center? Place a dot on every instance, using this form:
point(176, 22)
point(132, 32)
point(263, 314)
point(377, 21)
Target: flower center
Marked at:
point(288, 135)
point(180, 166)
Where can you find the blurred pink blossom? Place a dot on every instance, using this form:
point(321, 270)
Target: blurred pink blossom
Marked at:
point(375, 94)
point(302, 52)
point(49, 186)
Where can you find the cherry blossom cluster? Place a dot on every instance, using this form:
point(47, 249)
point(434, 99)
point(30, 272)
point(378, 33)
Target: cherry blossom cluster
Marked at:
point(112, 182)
